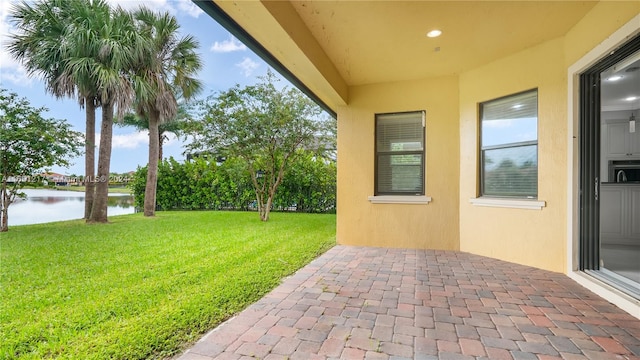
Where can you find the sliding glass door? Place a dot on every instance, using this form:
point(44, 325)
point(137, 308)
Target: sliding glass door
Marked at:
point(609, 200)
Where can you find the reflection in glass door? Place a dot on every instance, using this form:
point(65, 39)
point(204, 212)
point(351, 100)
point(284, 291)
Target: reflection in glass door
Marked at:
point(619, 172)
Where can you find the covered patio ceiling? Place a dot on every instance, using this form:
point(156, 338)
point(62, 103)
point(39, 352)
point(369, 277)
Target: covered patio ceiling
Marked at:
point(330, 46)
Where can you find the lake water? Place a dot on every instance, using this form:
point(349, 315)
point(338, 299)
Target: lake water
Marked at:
point(42, 206)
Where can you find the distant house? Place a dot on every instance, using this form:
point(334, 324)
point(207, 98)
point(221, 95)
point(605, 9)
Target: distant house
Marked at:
point(55, 178)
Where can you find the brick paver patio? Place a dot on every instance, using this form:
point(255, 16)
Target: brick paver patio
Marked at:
point(373, 303)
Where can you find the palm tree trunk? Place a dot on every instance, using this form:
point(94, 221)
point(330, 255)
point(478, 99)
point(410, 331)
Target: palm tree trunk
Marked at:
point(160, 143)
point(89, 157)
point(152, 168)
point(99, 209)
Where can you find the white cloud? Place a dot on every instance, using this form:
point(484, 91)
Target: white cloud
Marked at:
point(136, 140)
point(156, 5)
point(188, 7)
point(10, 69)
point(248, 66)
point(181, 6)
point(230, 45)
point(128, 141)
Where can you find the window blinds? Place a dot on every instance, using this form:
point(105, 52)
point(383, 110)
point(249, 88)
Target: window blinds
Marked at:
point(522, 105)
point(400, 153)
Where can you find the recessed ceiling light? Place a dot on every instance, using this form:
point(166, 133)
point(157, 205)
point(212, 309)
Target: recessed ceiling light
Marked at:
point(517, 106)
point(615, 78)
point(631, 98)
point(434, 33)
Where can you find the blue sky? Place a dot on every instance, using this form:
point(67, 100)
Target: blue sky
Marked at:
point(226, 62)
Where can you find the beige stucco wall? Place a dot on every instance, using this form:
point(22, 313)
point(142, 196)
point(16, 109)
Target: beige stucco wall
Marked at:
point(531, 237)
point(432, 226)
point(604, 19)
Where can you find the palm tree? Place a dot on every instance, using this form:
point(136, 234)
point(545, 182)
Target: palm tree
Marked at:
point(118, 46)
point(38, 45)
point(105, 55)
point(82, 48)
point(167, 67)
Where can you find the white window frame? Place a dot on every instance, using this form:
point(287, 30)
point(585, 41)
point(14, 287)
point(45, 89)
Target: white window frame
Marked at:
point(512, 145)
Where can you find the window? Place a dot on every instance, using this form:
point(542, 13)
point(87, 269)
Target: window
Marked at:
point(509, 146)
point(400, 153)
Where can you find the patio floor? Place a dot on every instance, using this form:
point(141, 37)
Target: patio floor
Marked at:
point(373, 303)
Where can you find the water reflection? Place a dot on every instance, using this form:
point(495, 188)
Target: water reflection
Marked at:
point(42, 206)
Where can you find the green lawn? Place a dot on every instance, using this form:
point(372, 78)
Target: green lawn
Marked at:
point(142, 288)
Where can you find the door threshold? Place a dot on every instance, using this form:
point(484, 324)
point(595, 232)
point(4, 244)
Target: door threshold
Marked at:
point(621, 283)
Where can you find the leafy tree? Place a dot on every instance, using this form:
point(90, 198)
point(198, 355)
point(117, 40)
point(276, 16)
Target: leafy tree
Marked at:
point(509, 178)
point(29, 144)
point(263, 126)
point(168, 65)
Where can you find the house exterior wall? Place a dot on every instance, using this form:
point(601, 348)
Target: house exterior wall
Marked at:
point(541, 239)
point(531, 237)
point(602, 21)
point(525, 236)
point(433, 225)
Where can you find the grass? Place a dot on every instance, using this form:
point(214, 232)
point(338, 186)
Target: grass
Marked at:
point(141, 288)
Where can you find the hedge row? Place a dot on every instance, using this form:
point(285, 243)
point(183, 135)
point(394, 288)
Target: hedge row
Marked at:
point(309, 185)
